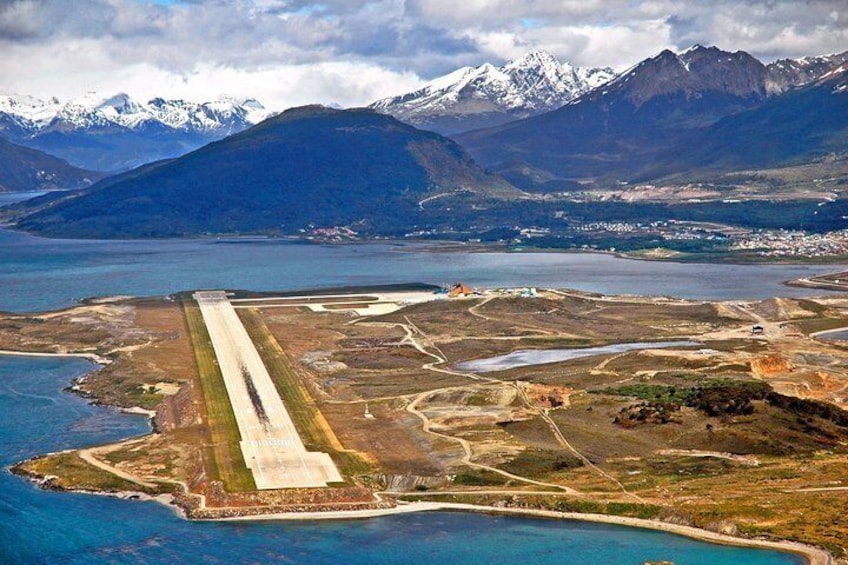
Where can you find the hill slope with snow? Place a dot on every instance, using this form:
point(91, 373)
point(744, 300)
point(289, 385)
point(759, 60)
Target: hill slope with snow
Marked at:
point(114, 133)
point(636, 126)
point(484, 96)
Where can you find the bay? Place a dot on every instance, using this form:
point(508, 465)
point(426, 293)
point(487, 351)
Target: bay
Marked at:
point(48, 527)
point(39, 274)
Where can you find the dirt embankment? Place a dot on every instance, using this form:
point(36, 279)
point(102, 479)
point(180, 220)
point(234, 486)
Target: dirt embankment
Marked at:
point(770, 365)
point(176, 411)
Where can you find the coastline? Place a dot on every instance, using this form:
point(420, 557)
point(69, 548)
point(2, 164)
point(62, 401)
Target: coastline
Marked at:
point(93, 357)
point(812, 282)
point(437, 245)
point(813, 555)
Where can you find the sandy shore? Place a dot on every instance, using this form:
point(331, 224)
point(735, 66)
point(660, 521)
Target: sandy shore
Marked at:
point(89, 356)
point(814, 282)
point(813, 555)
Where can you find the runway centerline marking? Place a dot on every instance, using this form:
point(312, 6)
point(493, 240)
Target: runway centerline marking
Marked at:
point(271, 446)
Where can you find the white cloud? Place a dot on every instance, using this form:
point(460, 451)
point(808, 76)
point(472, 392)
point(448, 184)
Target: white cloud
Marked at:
point(342, 83)
point(278, 86)
point(350, 52)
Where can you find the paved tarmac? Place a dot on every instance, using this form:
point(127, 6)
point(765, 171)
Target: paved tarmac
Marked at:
point(269, 441)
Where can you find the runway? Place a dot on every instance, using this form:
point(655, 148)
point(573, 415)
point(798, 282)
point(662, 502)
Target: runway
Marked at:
point(270, 443)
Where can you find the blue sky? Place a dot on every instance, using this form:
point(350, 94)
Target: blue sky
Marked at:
point(350, 52)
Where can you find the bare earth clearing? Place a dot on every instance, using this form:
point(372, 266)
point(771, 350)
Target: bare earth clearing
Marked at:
point(743, 433)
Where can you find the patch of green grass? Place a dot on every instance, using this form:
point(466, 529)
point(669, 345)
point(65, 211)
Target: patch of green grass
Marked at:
point(812, 306)
point(223, 458)
point(649, 392)
point(139, 395)
point(821, 324)
point(555, 503)
point(684, 468)
point(479, 478)
point(539, 463)
point(479, 399)
point(73, 473)
point(313, 429)
point(120, 455)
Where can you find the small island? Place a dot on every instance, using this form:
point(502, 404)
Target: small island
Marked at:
point(719, 420)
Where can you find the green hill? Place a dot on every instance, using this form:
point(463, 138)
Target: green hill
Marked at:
point(307, 167)
point(28, 170)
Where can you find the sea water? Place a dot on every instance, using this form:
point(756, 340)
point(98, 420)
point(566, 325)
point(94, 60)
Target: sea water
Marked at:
point(41, 274)
point(36, 416)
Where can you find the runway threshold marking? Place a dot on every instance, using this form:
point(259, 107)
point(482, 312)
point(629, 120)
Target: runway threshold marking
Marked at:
point(270, 443)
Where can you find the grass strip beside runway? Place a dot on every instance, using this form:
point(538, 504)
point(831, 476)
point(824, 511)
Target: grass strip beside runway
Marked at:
point(311, 425)
point(223, 457)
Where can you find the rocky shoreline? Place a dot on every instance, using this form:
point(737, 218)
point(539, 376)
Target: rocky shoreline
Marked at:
point(192, 507)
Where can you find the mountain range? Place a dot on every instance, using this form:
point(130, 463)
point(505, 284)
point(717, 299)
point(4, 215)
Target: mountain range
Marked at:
point(680, 118)
point(635, 126)
point(28, 170)
point(485, 96)
point(305, 168)
point(786, 74)
point(800, 125)
point(115, 133)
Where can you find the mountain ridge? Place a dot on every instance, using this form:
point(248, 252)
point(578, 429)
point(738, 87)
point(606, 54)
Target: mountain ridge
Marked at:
point(473, 97)
point(28, 170)
point(619, 131)
point(117, 132)
point(785, 130)
point(785, 74)
point(307, 167)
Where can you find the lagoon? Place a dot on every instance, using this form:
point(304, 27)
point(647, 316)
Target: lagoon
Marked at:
point(529, 357)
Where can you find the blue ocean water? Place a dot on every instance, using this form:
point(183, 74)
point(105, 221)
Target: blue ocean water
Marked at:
point(38, 527)
point(37, 417)
point(41, 274)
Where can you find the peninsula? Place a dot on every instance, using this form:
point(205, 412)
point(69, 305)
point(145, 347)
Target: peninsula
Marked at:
point(722, 420)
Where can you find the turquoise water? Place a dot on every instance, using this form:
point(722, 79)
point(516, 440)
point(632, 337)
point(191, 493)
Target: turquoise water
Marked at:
point(41, 274)
point(38, 527)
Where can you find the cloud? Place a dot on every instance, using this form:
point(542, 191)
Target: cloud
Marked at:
point(353, 51)
point(344, 83)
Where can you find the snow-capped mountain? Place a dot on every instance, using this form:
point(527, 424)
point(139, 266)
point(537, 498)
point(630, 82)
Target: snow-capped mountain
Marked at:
point(117, 132)
point(712, 106)
point(616, 130)
point(95, 110)
point(785, 74)
point(736, 78)
point(473, 97)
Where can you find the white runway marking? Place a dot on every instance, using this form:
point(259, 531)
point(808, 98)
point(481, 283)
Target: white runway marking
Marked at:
point(271, 446)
